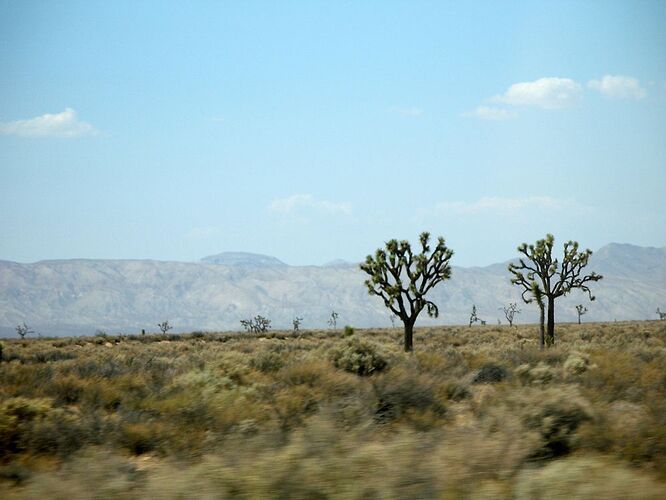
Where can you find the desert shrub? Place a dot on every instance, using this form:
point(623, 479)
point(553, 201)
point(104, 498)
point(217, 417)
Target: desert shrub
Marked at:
point(400, 393)
point(360, 357)
point(586, 477)
point(61, 431)
point(348, 331)
point(267, 362)
point(15, 415)
point(139, 438)
point(15, 472)
point(51, 356)
point(556, 415)
point(631, 432)
point(66, 389)
point(100, 393)
point(457, 392)
point(575, 365)
point(34, 425)
point(292, 405)
point(89, 474)
point(540, 374)
point(490, 373)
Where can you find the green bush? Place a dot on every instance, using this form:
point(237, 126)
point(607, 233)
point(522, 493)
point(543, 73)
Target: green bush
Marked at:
point(490, 373)
point(267, 362)
point(556, 416)
point(360, 357)
point(349, 331)
point(400, 393)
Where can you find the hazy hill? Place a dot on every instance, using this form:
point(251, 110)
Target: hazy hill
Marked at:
point(81, 296)
point(243, 259)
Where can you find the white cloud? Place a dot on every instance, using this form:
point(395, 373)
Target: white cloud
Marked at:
point(622, 87)
point(491, 113)
point(408, 111)
point(547, 93)
point(503, 205)
point(64, 125)
point(307, 202)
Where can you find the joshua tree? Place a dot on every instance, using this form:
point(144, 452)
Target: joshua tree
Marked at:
point(543, 277)
point(23, 330)
point(392, 318)
point(333, 320)
point(510, 312)
point(580, 309)
point(297, 323)
point(473, 318)
point(402, 279)
point(164, 326)
point(258, 324)
point(662, 315)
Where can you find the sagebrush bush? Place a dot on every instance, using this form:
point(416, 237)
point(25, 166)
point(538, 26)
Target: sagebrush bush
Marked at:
point(581, 478)
point(490, 373)
point(360, 357)
point(401, 392)
point(556, 415)
point(267, 361)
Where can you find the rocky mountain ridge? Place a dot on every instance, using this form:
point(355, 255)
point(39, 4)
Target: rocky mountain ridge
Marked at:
point(80, 296)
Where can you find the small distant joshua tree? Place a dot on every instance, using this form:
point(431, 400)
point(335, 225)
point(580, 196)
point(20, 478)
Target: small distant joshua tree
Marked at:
point(333, 320)
point(297, 323)
point(662, 315)
point(258, 324)
point(473, 318)
point(22, 330)
point(510, 312)
point(580, 309)
point(392, 318)
point(164, 326)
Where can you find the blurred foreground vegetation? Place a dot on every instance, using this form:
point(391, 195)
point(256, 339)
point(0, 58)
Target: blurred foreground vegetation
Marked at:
point(474, 412)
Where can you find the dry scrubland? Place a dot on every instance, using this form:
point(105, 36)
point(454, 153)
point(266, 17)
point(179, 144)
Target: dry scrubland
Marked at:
point(474, 412)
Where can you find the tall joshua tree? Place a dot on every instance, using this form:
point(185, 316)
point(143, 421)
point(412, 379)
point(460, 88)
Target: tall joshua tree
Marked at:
point(402, 279)
point(544, 279)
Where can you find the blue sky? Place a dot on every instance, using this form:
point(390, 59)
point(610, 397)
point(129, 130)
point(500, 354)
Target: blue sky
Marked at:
point(317, 130)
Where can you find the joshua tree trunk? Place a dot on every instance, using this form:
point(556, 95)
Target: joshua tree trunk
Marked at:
point(409, 335)
point(542, 332)
point(550, 333)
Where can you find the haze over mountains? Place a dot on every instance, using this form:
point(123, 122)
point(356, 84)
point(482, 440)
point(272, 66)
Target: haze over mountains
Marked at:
point(80, 296)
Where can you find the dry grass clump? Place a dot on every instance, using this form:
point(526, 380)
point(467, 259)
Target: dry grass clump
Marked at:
point(474, 413)
point(586, 477)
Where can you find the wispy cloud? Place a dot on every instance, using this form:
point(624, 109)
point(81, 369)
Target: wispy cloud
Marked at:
point(62, 125)
point(491, 113)
point(618, 86)
point(412, 111)
point(503, 205)
point(546, 93)
point(308, 203)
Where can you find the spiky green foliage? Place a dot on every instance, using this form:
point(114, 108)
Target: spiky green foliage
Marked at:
point(402, 279)
point(543, 277)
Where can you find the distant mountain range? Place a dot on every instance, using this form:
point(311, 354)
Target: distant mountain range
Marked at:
point(80, 296)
